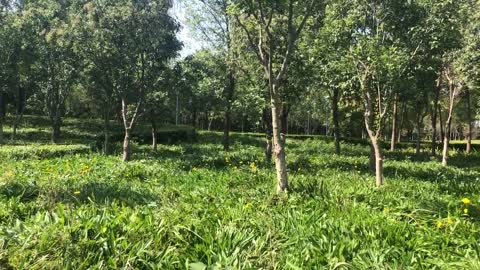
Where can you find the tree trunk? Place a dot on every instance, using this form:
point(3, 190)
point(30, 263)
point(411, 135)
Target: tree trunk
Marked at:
point(267, 120)
point(194, 118)
point(206, 121)
point(419, 133)
point(210, 123)
point(402, 121)
point(2, 113)
point(394, 124)
point(279, 142)
point(126, 146)
point(154, 130)
point(56, 124)
point(284, 119)
point(371, 159)
point(229, 89)
point(434, 117)
point(442, 127)
point(448, 123)
point(378, 161)
point(1, 130)
point(336, 124)
point(106, 132)
point(469, 117)
point(19, 110)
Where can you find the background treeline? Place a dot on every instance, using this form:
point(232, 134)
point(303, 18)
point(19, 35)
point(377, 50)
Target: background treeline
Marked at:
point(379, 70)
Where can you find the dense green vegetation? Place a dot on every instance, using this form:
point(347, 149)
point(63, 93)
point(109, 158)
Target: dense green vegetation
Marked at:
point(192, 205)
point(146, 134)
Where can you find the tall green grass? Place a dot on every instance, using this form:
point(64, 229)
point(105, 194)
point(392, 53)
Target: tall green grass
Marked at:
point(194, 206)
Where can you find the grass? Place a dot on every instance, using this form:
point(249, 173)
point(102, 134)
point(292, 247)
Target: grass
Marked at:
point(194, 206)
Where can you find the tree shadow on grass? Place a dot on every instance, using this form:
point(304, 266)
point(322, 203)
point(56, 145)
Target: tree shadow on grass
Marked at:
point(98, 193)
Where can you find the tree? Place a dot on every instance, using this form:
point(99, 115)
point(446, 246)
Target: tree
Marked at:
point(56, 63)
point(380, 57)
point(213, 23)
point(132, 42)
point(278, 25)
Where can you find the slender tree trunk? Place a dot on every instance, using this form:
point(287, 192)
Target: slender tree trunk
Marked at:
point(194, 118)
point(2, 114)
point(442, 127)
point(106, 131)
point(230, 89)
point(394, 124)
point(19, 110)
point(448, 124)
point(419, 133)
point(210, 123)
point(126, 146)
point(402, 122)
point(284, 119)
point(371, 159)
point(206, 121)
point(226, 129)
point(336, 122)
point(128, 126)
point(56, 125)
point(278, 142)
point(469, 117)
point(267, 120)
point(434, 116)
point(154, 130)
point(1, 130)
point(378, 161)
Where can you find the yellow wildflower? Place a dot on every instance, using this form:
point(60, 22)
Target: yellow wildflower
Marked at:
point(466, 201)
point(247, 206)
point(253, 167)
point(76, 192)
point(449, 221)
point(465, 211)
point(439, 224)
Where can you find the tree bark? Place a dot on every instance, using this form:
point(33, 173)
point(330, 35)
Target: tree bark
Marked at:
point(2, 114)
point(442, 127)
point(394, 124)
point(206, 121)
point(154, 130)
point(336, 121)
point(278, 142)
point(106, 132)
point(434, 117)
point(419, 133)
point(229, 89)
point(402, 121)
point(56, 131)
point(448, 123)
point(378, 161)
point(284, 118)
point(128, 126)
point(20, 99)
point(469, 117)
point(126, 146)
point(267, 120)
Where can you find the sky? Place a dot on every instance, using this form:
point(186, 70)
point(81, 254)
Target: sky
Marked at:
point(190, 45)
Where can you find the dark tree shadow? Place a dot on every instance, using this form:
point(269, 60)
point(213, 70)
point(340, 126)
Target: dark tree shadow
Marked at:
point(98, 193)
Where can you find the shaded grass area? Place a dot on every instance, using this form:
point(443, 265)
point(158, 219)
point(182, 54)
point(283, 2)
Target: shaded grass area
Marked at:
point(191, 206)
point(37, 129)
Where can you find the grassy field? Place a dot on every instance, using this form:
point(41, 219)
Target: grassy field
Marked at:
point(194, 206)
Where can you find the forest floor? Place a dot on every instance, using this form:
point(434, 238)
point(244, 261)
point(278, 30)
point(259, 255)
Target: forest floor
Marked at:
point(192, 205)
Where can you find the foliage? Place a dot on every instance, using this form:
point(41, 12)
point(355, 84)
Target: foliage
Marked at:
point(194, 205)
